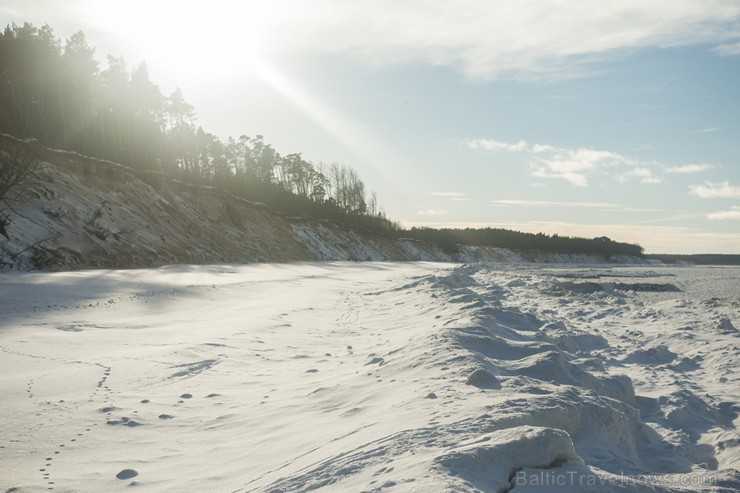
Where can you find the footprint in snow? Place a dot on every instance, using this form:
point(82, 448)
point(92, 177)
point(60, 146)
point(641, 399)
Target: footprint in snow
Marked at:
point(123, 421)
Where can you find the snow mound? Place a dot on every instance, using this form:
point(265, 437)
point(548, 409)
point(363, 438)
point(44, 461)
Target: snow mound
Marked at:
point(490, 462)
point(571, 341)
point(656, 355)
point(726, 327)
point(482, 378)
point(553, 366)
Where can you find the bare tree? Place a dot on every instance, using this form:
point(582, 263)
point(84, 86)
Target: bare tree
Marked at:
point(18, 164)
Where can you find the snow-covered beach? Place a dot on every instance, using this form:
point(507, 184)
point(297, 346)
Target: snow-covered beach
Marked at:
point(371, 377)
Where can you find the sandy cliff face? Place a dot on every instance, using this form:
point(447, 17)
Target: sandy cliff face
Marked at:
point(85, 213)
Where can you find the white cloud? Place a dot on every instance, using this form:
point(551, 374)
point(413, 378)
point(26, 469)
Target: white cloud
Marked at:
point(495, 145)
point(571, 165)
point(453, 196)
point(732, 214)
point(690, 168)
point(575, 179)
point(487, 39)
point(586, 205)
point(708, 130)
point(543, 148)
point(432, 212)
point(728, 49)
point(680, 217)
point(449, 194)
point(482, 39)
point(710, 190)
point(602, 205)
point(644, 174)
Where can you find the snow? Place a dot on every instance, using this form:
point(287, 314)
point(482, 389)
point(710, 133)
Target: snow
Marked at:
point(346, 376)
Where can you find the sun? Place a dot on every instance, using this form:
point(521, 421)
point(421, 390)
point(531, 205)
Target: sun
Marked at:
point(191, 39)
point(229, 45)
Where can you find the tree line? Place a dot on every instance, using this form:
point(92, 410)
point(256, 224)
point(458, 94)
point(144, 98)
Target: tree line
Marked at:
point(450, 239)
point(59, 94)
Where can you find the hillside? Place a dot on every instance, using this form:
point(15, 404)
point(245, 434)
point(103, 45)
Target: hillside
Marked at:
point(82, 212)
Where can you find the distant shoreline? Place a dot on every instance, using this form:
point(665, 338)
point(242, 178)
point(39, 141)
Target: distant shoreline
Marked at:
point(696, 259)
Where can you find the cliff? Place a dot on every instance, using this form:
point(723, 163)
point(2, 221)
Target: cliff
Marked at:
point(80, 212)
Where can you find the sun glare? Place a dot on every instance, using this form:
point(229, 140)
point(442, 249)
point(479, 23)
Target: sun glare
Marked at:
point(190, 39)
point(196, 43)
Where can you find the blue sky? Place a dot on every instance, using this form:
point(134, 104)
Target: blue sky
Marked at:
point(580, 118)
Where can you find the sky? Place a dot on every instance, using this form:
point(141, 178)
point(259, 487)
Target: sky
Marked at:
point(581, 118)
